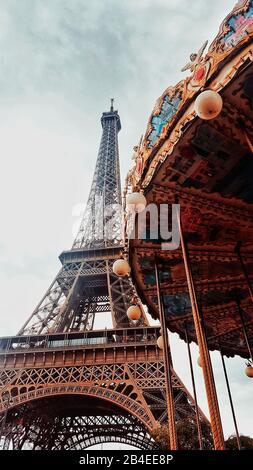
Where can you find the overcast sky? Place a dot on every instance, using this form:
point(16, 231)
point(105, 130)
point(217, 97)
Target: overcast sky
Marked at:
point(61, 62)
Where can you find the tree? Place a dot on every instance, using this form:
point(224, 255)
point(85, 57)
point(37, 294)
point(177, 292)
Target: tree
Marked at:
point(246, 443)
point(187, 434)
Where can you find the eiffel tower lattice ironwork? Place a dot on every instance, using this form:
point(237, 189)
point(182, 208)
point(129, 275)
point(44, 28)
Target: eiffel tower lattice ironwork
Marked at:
point(65, 385)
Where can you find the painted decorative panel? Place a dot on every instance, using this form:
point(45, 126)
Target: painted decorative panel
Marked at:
point(238, 25)
point(168, 110)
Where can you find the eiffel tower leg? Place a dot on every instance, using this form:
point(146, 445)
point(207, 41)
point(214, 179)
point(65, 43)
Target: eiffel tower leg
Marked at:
point(204, 352)
point(46, 315)
point(63, 319)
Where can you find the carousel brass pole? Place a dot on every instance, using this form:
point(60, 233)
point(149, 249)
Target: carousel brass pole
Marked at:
point(204, 352)
point(167, 369)
point(230, 398)
point(244, 270)
point(194, 390)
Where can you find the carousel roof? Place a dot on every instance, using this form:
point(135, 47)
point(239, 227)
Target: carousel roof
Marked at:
point(208, 167)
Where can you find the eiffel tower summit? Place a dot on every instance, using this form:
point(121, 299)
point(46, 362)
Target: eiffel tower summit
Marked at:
point(65, 385)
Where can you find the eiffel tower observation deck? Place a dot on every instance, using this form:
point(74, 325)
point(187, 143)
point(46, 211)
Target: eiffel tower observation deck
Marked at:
point(65, 385)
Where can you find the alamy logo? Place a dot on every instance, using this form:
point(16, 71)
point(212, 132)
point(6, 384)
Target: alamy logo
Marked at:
point(155, 223)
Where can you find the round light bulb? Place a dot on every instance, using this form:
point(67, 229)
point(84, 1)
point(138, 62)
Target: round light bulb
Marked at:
point(199, 362)
point(134, 312)
point(160, 342)
point(208, 104)
point(121, 267)
point(136, 201)
point(249, 371)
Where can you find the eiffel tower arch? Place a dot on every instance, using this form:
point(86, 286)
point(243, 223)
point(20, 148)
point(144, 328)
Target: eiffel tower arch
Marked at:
point(66, 385)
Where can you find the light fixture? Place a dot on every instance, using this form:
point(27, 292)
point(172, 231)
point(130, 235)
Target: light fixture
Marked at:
point(136, 201)
point(134, 312)
point(199, 362)
point(121, 267)
point(159, 342)
point(208, 104)
point(249, 371)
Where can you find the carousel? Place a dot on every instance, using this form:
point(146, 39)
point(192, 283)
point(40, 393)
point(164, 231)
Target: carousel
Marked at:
point(196, 158)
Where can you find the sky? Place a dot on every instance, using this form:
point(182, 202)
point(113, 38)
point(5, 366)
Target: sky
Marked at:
point(60, 63)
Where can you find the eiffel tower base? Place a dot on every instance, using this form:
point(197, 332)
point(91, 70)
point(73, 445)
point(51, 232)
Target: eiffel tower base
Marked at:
point(77, 391)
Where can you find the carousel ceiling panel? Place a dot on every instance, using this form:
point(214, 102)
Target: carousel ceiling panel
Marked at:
point(215, 155)
point(218, 286)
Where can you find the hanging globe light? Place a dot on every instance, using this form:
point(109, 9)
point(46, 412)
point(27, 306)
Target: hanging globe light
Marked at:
point(199, 362)
point(137, 201)
point(160, 342)
point(121, 267)
point(134, 312)
point(208, 104)
point(249, 371)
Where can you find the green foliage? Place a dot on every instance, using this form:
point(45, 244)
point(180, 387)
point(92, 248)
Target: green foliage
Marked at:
point(187, 434)
point(161, 437)
point(246, 443)
point(188, 437)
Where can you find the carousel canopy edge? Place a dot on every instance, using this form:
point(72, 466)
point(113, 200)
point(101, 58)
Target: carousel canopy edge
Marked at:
point(230, 49)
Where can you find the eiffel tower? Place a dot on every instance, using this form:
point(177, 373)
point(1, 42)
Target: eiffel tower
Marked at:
point(65, 385)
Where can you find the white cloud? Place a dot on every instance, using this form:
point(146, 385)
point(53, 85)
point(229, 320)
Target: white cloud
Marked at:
point(61, 62)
